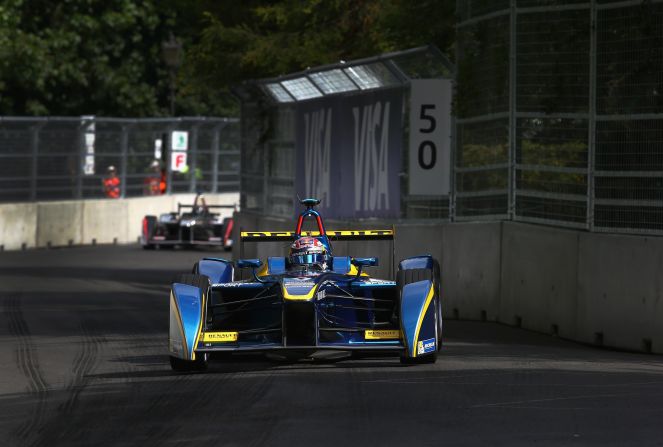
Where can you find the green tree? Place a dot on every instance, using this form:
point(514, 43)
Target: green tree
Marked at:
point(79, 57)
point(259, 39)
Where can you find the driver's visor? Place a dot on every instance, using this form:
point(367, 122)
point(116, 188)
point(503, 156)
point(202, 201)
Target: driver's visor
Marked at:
point(307, 259)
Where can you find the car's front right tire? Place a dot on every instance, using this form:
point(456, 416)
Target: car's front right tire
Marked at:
point(198, 365)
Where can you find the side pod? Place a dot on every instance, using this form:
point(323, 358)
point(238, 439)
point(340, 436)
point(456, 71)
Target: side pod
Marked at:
point(186, 317)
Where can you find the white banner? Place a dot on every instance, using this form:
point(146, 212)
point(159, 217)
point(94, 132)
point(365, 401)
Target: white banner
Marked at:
point(430, 137)
point(88, 123)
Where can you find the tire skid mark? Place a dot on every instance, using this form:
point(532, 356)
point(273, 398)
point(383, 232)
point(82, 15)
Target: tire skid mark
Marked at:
point(84, 363)
point(28, 364)
point(270, 419)
point(195, 402)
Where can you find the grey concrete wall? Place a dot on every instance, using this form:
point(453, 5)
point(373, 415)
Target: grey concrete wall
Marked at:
point(471, 270)
point(18, 226)
point(59, 223)
point(538, 279)
point(104, 221)
point(620, 280)
point(64, 223)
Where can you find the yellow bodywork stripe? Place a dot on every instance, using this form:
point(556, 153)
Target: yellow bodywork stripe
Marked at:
point(353, 271)
point(200, 327)
point(429, 298)
point(308, 296)
point(264, 270)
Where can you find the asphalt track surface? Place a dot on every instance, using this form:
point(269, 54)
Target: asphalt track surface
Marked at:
point(83, 338)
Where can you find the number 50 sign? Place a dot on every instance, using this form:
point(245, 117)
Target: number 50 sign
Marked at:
point(430, 137)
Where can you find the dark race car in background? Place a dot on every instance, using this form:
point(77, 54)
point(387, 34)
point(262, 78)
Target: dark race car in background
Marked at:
point(190, 225)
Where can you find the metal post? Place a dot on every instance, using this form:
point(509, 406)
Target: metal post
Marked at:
point(265, 174)
point(78, 194)
point(512, 111)
point(591, 142)
point(167, 150)
point(124, 149)
point(34, 143)
point(216, 140)
point(193, 165)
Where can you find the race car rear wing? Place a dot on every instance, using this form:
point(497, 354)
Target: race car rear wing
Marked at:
point(180, 206)
point(333, 235)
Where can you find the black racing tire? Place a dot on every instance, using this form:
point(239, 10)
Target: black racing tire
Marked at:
point(440, 324)
point(423, 360)
point(185, 366)
point(148, 247)
point(200, 363)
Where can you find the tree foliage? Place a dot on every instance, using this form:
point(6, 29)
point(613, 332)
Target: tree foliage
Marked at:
point(79, 57)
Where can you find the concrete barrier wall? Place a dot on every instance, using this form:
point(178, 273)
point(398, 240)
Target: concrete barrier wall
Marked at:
point(18, 226)
point(620, 281)
point(594, 288)
point(539, 278)
point(65, 223)
point(59, 224)
point(470, 257)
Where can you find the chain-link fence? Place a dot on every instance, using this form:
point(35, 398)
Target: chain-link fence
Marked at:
point(560, 113)
point(68, 158)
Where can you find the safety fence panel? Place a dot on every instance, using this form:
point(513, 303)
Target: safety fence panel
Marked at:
point(628, 177)
point(68, 158)
point(582, 130)
point(482, 169)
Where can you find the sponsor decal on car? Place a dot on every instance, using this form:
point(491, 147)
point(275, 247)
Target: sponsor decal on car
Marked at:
point(426, 346)
point(380, 282)
point(219, 337)
point(382, 334)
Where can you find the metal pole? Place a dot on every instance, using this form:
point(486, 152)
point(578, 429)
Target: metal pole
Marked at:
point(78, 194)
point(512, 111)
point(216, 139)
point(172, 91)
point(167, 150)
point(124, 149)
point(34, 142)
point(193, 150)
point(591, 142)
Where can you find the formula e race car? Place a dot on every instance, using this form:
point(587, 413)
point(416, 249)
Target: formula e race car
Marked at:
point(190, 225)
point(306, 303)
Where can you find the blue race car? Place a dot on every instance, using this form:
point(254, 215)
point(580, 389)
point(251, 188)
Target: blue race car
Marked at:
point(307, 302)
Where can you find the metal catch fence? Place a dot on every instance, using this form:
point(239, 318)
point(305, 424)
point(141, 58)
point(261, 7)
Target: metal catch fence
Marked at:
point(68, 158)
point(560, 113)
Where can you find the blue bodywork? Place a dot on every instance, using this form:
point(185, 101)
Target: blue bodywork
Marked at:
point(339, 307)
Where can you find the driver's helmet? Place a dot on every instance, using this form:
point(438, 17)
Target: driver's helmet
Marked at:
point(308, 252)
